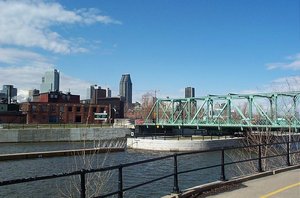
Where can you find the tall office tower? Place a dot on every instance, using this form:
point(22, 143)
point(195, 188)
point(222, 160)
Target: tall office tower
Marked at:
point(189, 92)
point(50, 82)
point(125, 88)
point(9, 93)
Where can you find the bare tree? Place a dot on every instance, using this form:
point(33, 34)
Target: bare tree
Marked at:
point(98, 182)
point(287, 115)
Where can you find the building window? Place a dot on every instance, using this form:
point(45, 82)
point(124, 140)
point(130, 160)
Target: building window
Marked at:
point(53, 119)
point(102, 109)
point(33, 108)
point(62, 109)
point(69, 108)
point(78, 109)
point(86, 109)
point(78, 119)
point(94, 109)
point(43, 108)
point(53, 108)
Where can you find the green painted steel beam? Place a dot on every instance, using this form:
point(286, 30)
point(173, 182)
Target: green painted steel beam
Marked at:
point(225, 111)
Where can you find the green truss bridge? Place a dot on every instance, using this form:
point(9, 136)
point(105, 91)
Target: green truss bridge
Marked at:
point(273, 111)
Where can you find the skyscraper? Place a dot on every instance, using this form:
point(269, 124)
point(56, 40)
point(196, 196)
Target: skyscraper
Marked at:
point(9, 93)
point(189, 92)
point(50, 81)
point(125, 88)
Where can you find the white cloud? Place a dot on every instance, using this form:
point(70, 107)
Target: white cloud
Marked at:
point(25, 78)
point(28, 24)
point(293, 63)
point(16, 56)
point(26, 68)
point(74, 85)
point(291, 83)
point(284, 84)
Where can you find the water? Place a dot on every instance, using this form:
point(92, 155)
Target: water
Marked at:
point(131, 175)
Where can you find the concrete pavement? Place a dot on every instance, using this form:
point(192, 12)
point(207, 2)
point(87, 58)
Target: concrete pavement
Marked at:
point(281, 185)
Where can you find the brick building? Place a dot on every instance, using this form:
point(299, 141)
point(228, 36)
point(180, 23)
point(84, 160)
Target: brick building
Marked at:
point(56, 97)
point(43, 113)
point(9, 113)
point(116, 105)
point(57, 107)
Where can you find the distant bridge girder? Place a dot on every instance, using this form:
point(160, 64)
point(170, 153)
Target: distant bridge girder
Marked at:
point(232, 110)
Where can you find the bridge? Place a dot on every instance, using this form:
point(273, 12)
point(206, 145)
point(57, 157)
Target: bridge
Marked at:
point(273, 111)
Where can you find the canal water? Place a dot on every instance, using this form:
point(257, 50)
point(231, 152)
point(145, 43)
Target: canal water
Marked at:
point(104, 182)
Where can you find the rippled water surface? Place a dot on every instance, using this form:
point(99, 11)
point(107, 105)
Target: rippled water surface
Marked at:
point(131, 175)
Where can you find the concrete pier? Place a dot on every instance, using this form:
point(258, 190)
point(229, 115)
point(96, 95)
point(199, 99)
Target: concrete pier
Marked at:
point(175, 145)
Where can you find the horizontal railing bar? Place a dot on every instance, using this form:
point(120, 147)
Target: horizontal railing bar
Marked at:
point(102, 169)
point(264, 157)
point(31, 179)
point(295, 152)
point(197, 152)
point(241, 161)
point(197, 169)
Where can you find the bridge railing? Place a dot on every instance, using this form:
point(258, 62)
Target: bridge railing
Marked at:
point(288, 151)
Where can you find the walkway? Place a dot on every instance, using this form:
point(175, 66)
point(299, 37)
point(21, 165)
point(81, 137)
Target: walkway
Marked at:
point(281, 185)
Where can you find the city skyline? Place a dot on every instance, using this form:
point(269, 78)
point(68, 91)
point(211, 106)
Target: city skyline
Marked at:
point(217, 47)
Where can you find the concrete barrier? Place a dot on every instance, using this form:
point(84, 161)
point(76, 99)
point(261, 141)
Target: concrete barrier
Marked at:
point(180, 145)
point(61, 135)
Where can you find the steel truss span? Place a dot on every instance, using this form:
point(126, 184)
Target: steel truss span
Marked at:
point(278, 110)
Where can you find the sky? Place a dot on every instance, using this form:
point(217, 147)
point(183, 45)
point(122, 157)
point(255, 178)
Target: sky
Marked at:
point(215, 46)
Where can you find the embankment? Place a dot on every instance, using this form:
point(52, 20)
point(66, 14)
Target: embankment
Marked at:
point(61, 135)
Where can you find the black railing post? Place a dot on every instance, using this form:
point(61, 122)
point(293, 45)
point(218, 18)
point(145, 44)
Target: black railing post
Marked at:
point(175, 187)
point(82, 184)
point(288, 162)
point(223, 178)
point(259, 159)
point(120, 182)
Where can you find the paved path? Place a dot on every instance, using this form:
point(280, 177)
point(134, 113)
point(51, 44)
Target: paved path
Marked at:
point(281, 185)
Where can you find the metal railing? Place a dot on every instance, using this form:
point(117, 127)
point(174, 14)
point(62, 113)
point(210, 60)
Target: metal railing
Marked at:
point(121, 189)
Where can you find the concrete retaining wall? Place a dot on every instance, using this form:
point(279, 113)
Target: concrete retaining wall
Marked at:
point(180, 145)
point(57, 135)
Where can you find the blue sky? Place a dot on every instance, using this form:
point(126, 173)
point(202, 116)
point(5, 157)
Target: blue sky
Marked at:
point(216, 46)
